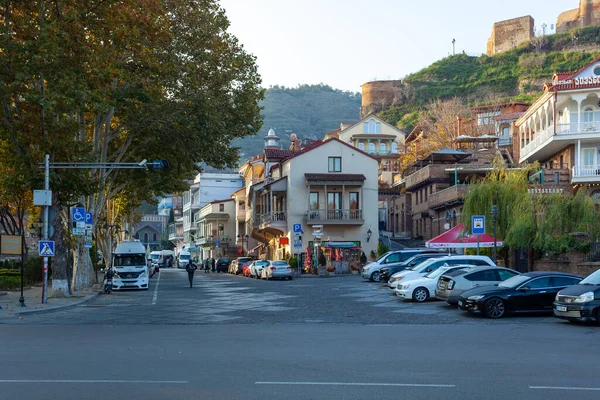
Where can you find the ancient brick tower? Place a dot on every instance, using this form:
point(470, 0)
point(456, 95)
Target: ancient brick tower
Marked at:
point(587, 14)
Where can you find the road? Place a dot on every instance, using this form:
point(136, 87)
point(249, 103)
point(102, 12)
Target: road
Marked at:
point(339, 338)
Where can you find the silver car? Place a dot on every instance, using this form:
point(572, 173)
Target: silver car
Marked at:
point(451, 285)
point(277, 269)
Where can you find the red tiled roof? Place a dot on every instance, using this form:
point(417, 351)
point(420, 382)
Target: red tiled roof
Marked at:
point(335, 132)
point(279, 153)
point(318, 143)
point(335, 177)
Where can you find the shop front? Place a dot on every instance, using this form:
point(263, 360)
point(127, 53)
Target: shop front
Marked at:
point(339, 256)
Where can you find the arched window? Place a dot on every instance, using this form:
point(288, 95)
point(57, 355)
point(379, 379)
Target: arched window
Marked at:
point(361, 146)
point(382, 148)
point(371, 147)
point(394, 148)
point(146, 237)
point(588, 118)
point(154, 237)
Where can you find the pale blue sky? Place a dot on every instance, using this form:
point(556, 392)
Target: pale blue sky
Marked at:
point(345, 43)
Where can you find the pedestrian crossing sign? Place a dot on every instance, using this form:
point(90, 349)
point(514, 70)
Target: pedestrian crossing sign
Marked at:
point(46, 248)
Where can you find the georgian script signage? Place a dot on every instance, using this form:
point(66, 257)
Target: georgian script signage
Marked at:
point(583, 81)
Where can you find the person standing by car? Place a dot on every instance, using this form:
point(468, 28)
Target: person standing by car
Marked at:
point(213, 264)
point(191, 268)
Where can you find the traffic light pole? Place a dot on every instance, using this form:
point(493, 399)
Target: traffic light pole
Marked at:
point(156, 164)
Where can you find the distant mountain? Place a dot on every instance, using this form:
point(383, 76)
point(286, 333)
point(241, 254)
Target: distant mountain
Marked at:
point(309, 111)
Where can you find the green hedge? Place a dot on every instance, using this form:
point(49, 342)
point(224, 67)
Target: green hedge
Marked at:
point(10, 282)
point(10, 272)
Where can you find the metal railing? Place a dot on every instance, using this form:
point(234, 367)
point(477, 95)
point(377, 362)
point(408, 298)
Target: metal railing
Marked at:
point(274, 216)
point(586, 171)
point(335, 215)
point(574, 128)
point(538, 141)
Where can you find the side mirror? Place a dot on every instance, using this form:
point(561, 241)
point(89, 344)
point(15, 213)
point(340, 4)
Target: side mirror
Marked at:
point(524, 289)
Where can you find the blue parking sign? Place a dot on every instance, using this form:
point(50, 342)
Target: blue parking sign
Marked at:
point(297, 228)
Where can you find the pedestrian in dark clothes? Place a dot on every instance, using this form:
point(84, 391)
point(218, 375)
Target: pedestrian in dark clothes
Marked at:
point(191, 268)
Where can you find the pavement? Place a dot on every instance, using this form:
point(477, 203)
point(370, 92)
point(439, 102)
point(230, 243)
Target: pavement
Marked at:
point(11, 308)
point(231, 337)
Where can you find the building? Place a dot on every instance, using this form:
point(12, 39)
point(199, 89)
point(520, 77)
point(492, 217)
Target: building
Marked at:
point(327, 185)
point(206, 187)
point(216, 229)
point(170, 203)
point(150, 231)
point(587, 14)
point(509, 34)
point(561, 130)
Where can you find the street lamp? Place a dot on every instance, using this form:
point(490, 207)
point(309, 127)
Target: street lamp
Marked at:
point(495, 213)
point(369, 233)
point(242, 237)
point(394, 227)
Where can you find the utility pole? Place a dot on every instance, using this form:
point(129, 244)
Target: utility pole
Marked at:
point(453, 47)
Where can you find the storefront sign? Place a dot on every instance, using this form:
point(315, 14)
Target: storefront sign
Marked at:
point(545, 190)
point(284, 240)
point(10, 245)
point(585, 80)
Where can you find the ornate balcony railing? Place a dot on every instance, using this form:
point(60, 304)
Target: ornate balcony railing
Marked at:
point(335, 215)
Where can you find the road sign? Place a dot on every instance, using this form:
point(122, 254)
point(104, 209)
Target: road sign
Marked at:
point(297, 244)
point(78, 214)
point(46, 248)
point(80, 224)
point(79, 231)
point(218, 244)
point(89, 219)
point(87, 245)
point(297, 228)
point(478, 224)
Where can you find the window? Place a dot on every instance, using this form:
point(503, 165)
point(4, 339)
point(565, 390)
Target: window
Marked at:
point(382, 148)
point(354, 204)
point(335, 164)
point(371, 147)
point(393, 258)
point(154, 237)
point(596, 70)
point(220, 229)
point(372, 127)
point(334, 205)
point(506, 131)
point(221, 207)
point(361, 146)
point(562, 281)
point(313, 199)
point(483, 276)
point(588, 118)
point(394, 148)
point(539, 283)
point(146, 237)
point(504, 274)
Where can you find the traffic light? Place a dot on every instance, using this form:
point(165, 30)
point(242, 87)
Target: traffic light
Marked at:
point(159, 164)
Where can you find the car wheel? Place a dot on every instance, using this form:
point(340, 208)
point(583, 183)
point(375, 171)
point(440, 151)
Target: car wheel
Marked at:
point(291, 277)
point(420, 294)
point(598, 317)
point(494, 308)
point(375, 277)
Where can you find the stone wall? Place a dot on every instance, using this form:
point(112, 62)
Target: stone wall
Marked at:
point(587, 14)
point(509, 34)
point(575, 264)
point(380, 95)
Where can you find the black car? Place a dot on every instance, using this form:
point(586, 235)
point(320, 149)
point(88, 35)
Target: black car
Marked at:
point(222, 264)
point(385, 273)
point(580, 302)
point(529, 292)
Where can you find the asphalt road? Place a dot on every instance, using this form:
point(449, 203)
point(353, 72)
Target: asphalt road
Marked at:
point(301, 348)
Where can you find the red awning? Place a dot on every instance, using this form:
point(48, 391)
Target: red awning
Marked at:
point(458, 238)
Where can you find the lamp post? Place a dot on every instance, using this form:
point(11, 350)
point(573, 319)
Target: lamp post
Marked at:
point(36, 229)
point(394, 227)
point(369, 233)
point(495, 213)
point(242, 238)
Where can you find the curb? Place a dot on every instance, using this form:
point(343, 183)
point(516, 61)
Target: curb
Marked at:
point(303, 276)
point(55, 308)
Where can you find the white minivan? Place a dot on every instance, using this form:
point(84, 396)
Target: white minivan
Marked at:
point(129, 265)
point(183, 259)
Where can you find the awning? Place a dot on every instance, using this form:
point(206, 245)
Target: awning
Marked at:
point(255, 248)
point(458, 238)
point(341, 245)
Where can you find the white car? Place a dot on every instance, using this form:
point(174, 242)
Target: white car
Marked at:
point(435, 263)
point(257, 266)
point(421, 289)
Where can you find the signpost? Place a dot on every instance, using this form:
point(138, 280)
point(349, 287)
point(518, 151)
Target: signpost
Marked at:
point(478, 227)
point(46, 248)
point(298, 244)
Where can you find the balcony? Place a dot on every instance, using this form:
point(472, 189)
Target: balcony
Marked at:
point(176, 231)
point(547, 142)
point(427, 174)
point(335, 217)
point(276, 219)
point(241, 213)
point(451, 195)
point(586, 174)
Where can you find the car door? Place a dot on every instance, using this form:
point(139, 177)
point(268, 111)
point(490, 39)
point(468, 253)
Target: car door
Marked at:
point(393, 260)
point(487, 277)
point(558, 283)
point(532, 295)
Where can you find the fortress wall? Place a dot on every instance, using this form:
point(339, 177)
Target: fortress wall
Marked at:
point(379, 95)
point(509, 34)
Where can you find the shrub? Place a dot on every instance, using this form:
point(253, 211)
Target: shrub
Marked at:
point(33, 270)
point(10, 272)
point(293, 262)
point(10, 282)
point(382, 249)
point(372, 255)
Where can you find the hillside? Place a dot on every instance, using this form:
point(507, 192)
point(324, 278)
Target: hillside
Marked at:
point(310, 111)
point(517, 74)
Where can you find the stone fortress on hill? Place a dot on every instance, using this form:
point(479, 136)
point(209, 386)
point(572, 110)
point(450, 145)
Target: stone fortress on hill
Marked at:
point(509, 34)
point(381, 95)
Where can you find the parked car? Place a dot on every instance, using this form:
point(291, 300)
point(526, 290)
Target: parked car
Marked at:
point(256, 268)
point(222, 264)
point(529, 292)
point(452, 284)
point(385, 273)
point(237, 266)
point(423, 288)
point(371, 270)
point(246, 268)
point(434, 263)
point(277, 269)
point(580, 302)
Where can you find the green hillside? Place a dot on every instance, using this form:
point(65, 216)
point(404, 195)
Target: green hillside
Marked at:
point(309, 111)
point(513, 75)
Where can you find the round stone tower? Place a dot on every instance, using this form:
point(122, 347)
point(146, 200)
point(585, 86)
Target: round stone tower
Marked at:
point(380, 95)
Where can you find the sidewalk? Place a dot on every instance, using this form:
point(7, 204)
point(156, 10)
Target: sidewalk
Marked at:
point(9, 301)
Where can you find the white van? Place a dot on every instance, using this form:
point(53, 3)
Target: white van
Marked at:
point(154, 256)
point(183, 259)
point(164, 256)
point(129, 264)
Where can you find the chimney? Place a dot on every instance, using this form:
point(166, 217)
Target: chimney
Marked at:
point(458, 125)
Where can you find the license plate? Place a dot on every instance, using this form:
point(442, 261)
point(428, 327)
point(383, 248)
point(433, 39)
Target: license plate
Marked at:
point(460, 303)
point(561, 308)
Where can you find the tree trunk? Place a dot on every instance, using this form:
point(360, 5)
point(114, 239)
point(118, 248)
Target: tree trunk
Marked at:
point(83, 271)
point(60, 280)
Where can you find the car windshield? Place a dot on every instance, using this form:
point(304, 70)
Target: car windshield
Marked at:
point(184, 257)
point(383, 256)
point(437, 272)
point(514, 281)
point(129, 260)
point(154, 257)
point(424, 264)
point(593, 279)
point(261, 263)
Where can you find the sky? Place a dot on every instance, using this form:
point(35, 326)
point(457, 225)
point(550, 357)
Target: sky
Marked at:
point(345, 43)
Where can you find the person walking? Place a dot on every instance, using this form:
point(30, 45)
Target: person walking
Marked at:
point(206, 267)
point(191, 268)
point(213, 264)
